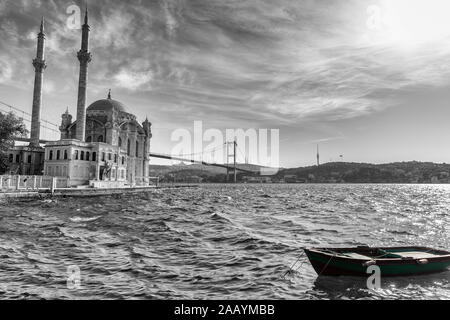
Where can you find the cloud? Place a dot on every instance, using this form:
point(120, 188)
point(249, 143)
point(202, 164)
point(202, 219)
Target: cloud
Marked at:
point(258, 62)
point(133, 80)
point(5, 71)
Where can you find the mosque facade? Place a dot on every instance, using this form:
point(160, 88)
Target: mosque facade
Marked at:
point(105, 146)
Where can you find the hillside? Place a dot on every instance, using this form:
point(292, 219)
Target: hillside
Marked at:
point(402, 172)
point(339, 172)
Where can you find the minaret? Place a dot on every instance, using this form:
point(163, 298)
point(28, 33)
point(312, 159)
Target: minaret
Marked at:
point(84, 57)
point(146, 163)
point(39, 67)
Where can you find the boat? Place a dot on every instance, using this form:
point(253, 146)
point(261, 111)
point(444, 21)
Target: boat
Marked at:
point(393, 262)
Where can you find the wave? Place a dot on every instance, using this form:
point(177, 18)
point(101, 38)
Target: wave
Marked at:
point(84, 219)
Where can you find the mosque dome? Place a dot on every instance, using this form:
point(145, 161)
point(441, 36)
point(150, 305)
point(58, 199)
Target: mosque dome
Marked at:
point(108, 105)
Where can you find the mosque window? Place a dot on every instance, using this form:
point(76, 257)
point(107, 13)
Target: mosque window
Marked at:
point(109, 156)
point(89, 139)
point(100, 139)
point(50, 156)
point(120, 142)
point(128, 148)
point(103, 156)
point(115, 158)
point(94, 156)
point(88, 156)
point(66, 155)
point(58, 155)
point(123, 160)
point(76, 155)
point(137, 149)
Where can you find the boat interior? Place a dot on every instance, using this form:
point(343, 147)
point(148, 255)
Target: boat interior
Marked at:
point(366, 253)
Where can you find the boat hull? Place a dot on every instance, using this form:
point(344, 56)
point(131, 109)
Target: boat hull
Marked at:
point(331, 265)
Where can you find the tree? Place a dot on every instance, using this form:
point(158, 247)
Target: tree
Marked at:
point(10, 127)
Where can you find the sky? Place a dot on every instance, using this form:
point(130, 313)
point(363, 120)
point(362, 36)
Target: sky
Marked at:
point(366, 80)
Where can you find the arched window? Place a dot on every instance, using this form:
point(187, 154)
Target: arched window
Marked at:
point(58, 155)
point(137, 149)
point(89, 139)
point(82, 156)
point(76, 154)
point(50, 157)
point(94, 156)
point(88, 156)
point(11, 158)
point(129, 148)
point(100, 139)
point(120, 142)
point(66, 155)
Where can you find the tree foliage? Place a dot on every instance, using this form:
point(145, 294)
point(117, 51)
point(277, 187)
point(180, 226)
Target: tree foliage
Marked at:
point(10, 126)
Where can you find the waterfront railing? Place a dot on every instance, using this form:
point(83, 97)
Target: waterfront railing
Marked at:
point(18, 183)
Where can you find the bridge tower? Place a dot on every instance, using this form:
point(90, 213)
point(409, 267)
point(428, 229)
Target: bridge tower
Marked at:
point(231, 154)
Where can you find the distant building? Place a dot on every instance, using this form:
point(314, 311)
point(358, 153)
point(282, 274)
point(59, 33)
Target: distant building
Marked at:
point(257, 179)
point(194, 179)
point(444, 175)
point(291, 178)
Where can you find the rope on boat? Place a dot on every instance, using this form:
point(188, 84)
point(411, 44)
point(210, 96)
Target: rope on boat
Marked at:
point(291, 269)
point(324, 268)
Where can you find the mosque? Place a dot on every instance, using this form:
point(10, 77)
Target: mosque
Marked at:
point(104, 147)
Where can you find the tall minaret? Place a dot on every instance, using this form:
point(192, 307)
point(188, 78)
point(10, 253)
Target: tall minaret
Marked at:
point(39, 67)
point(84, 57)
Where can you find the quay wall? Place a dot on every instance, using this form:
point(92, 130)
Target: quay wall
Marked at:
point(82, 192)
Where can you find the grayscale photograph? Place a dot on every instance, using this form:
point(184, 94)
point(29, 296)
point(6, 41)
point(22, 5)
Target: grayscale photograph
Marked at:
point(239, 153)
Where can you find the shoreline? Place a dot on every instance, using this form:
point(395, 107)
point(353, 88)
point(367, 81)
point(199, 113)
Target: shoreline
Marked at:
point(82, 193)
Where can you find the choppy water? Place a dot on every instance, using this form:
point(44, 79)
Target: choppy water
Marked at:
point(217, 242)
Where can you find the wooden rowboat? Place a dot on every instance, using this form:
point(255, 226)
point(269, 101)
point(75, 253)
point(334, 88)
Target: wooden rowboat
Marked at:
point(400, 261)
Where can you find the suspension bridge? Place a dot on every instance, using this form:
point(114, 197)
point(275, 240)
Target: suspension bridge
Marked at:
point(231, 164)
point(50, 132)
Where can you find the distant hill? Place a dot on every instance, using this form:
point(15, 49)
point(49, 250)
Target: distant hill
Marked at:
point(400, 172)
point(336, 172)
